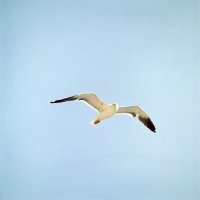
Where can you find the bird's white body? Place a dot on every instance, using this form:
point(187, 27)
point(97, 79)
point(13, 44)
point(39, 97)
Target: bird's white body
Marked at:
point(108, 110)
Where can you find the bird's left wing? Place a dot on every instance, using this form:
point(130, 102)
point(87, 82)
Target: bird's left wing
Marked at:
point(142, 116)
point(91, 99)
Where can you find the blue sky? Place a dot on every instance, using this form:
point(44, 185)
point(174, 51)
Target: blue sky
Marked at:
point(142, 53)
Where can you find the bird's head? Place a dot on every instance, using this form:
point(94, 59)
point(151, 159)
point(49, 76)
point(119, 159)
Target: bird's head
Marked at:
point(115, 105)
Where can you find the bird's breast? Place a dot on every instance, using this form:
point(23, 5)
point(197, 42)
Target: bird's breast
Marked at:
point(109, 111)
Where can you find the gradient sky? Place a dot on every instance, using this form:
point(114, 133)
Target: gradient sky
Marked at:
point(139, 52)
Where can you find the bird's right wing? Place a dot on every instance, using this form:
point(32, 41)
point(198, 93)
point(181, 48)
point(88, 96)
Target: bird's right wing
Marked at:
point(91, 99)
point(142, 116)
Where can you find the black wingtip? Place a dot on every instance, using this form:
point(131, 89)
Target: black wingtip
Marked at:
point(148, 123)
point(57, 101)
point(151, 126)
point(72, 98)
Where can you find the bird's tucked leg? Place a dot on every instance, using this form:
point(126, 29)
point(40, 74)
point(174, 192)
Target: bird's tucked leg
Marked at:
point(95, 121)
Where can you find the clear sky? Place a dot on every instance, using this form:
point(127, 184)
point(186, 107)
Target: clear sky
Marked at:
point(139, 52)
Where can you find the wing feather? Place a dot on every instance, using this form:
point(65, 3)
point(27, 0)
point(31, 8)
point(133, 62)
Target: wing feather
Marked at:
point(72, 98)
point(142, 116)
point(91, 99)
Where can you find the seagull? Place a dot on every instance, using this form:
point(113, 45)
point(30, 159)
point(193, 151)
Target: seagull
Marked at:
point(108, 110)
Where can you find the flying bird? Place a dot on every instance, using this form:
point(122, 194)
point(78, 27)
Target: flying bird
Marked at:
point(108, 110)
